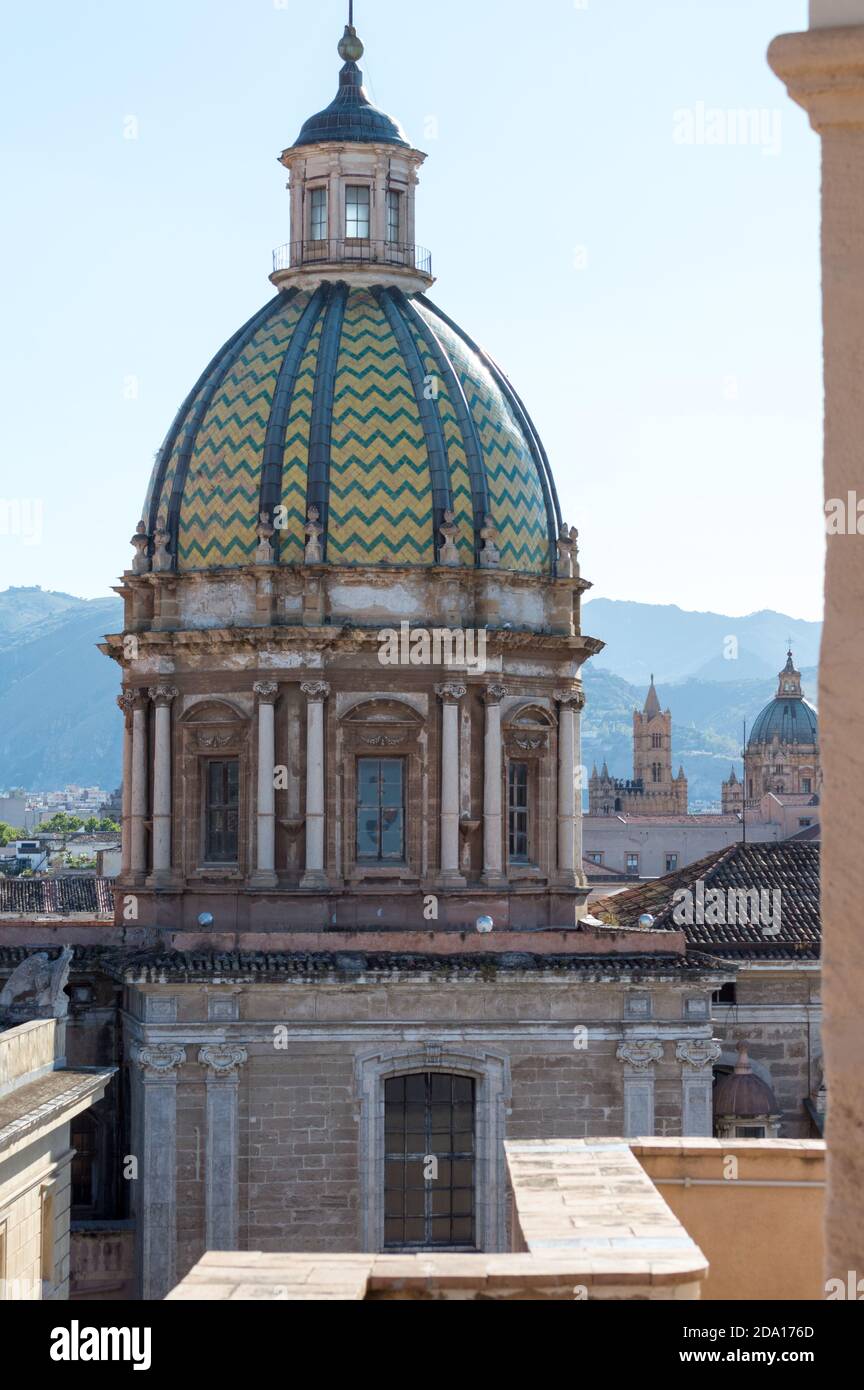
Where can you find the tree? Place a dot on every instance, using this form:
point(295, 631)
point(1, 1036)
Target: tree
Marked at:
point(8, 834)
point(61, 824)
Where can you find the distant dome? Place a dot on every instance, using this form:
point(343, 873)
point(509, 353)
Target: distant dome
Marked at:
point(323, 400)
point(789, 718)
point(743, 1095)
point(791, 721)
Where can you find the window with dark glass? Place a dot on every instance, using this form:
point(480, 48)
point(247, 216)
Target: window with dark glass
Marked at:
point(656, 740)
point(671, 863)
point(83, 1139)
point(221, 813)
point(632, 863)
point(318, 215)
point(356, 211)
point(380, 810)
point(517, 812)
point(429, 1155)
point(806, 785)
point(394, 216)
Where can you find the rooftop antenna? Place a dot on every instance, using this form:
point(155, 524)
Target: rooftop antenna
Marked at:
point(351, 13)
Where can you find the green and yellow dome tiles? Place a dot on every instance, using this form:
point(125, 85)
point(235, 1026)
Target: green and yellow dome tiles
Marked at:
point(376, 409)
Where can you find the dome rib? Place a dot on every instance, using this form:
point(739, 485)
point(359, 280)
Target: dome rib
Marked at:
point(274, 445)
point(154, 500)
point(436, 446)
point(321, 434)
point(238, 343)
point(473, 447)
point(541, 460)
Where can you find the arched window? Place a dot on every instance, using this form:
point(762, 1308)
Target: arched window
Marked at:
point(429, 1161)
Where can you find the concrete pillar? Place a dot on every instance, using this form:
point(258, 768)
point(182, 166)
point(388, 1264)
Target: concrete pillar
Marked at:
point(335, 208)
point(126, 702)
point(639, 1058)
point(378, 223)
point(493, 875)
point(222, 1193)
point(155, 1148)
point(450, 695)
point(316, 693)
point(138, 813)
point(570, 705)
point(824, 72)
point(163, 697)
point(265, 875)
point(697, 1060)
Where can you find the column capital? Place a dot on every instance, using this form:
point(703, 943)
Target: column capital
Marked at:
point(823, 70)
point(451, 693)
point(574, 698)
point(162, 695)
point(267, 692)
point(640, 1054)
point(223, 1060)
point(159, 1059)
point(316, 692)
point(699, 1054)
point(494, 694)
point(126, 701)
point(134, 698)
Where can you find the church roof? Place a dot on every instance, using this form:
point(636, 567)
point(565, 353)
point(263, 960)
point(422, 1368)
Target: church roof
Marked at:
point(351, 117)
point(791, 866)
point(652, 703)
point(790, 721)
point(322, 400)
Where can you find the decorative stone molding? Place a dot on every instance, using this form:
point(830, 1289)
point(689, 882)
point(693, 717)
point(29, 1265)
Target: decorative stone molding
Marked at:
point(449, 531)
point(316, 692)
point(451, 693)
point(215, 740)
point(126, 703)
point(162, 695)
point(380, 741)
point(575, 698)
point(494, 694)
point(141, 543)
point(526, 744)
point(224, 1059)
point(159, 1059)
point(267, 692)
point(314, 531)
point(640, 1055)
point(700, 1055)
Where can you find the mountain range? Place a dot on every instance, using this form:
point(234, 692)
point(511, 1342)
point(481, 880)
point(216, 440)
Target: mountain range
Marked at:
point(59, 723)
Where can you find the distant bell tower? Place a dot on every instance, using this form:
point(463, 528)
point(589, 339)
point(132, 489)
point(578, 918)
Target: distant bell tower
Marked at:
point(654, 791)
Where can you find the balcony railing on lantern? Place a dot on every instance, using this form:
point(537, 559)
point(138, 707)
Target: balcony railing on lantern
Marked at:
point(353, 251)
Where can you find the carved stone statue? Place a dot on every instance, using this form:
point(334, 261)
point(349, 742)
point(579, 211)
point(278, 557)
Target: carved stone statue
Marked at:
point(141, 542)
point(266, 532)
point(162, 562)
point(490, 556)
point(449, 531)
point(568, 553)
point(314, 531)
point(35, 989)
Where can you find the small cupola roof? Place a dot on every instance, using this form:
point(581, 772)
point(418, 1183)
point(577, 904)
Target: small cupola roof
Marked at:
point(743, 1095)
point(351, 117)
point(652, 703)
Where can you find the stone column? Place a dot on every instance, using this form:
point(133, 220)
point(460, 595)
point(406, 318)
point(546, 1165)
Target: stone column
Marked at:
point(155, 1148)
point(265, 875)
point(316, 693)
point(138, 818)
point(126, 702)
point(493, 875)
point(450, 695)
point(163, 696)
point(824, 72)
point(378, 223)
point(639, 1060)
point(222, 1194)
point(570, 706)
point(697, 1060)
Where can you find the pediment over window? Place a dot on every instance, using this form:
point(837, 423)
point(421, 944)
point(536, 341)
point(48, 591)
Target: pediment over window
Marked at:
point(214, 712)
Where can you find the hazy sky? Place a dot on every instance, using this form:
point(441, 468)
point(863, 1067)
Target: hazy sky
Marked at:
point(621, 202)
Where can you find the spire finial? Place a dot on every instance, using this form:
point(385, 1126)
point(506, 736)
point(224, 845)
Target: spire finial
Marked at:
point(350, 48)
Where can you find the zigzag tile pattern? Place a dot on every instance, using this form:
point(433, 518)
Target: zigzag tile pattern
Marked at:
point(219, 513)
point(460, 477)
point(381, 494)
point(380, 483)
point(295, 464)
point(516, 496)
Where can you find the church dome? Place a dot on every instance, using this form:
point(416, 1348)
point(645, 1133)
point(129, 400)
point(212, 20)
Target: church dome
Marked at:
point(372, 407)
point(789, 718)
point(351, 115)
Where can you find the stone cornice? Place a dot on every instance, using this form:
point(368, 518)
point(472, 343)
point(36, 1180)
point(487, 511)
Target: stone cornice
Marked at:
point(823, 70)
